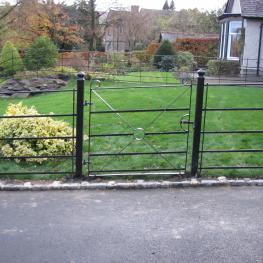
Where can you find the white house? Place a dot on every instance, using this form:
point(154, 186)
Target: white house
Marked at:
point(241, 34)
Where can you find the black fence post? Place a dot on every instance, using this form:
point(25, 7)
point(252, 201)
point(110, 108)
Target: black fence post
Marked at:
point(79, 124)
point(198, 122)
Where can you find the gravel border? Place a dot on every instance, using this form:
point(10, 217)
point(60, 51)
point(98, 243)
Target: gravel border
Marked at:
point(139, 184)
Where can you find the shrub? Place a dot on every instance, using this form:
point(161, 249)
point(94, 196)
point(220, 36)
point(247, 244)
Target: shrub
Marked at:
point(185, 59)
point(166, 49)
point(167, 63)
point(118, 61)
point(10, 60)
point(33, 127)
point(139, 46)
point(184, 74)
point(223, 67)
point(48, 72)
point(152, 49)
point(76, 59)
point(42, 54)
point(142, 56)
point(65, 70)
point(203, 49)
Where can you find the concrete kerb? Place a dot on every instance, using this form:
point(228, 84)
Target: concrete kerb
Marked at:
point(139, 184)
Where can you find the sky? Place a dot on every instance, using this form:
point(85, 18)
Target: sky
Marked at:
point(156, 4)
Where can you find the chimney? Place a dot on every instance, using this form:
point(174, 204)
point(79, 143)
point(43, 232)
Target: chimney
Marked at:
point(135, 9)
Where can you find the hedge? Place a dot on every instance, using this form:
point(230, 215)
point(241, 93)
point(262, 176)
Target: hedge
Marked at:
point(202, 48)
point(223, 67)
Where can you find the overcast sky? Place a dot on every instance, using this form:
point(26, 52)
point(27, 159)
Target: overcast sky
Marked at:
point(154, 4)
point(158, 4)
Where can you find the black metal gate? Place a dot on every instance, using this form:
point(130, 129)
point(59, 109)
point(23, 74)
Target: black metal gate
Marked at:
point(146, 132)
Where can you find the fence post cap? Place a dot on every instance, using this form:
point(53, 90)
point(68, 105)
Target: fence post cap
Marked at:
point(81, 75)
point(201, 73)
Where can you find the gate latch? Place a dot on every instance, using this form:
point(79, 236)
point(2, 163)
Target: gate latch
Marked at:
point(184, 121)
point(87, 103)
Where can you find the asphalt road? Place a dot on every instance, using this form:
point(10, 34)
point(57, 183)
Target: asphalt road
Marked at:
point(177, 225)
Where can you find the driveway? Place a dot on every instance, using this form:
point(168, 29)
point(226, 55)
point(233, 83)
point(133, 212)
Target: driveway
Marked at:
point(176, 225)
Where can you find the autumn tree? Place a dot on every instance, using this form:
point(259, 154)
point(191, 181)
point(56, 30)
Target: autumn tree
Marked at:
point(5, 11)
point(60, 28)
point(32, 19)
point(29, 21)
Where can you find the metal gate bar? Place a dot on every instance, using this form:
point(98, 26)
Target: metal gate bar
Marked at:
point(205, 133)
point(102, 172)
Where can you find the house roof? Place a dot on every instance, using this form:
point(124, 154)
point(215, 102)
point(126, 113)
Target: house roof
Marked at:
point(252, 8)
point(249, 8)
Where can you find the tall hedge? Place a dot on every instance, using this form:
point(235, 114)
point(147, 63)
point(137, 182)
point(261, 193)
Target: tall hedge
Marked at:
point(166, 49)
point(43, 53)
point(10, 60)
point(203, 49)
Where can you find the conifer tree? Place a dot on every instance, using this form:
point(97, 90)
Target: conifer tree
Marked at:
point(10, 60)
point(172, 6)
point(165, 50)
point(166, 5)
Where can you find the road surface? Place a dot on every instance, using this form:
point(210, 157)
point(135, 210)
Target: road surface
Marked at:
point(171, 225)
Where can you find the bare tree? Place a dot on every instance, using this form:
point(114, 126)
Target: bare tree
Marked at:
point(130, 27)
point(5, 12)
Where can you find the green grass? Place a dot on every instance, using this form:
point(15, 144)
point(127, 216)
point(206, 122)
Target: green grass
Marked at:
point(148, 77)
point(158, 98)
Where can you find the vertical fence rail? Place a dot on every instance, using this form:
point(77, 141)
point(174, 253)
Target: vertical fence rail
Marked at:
point(197, 122)
point(79, 124)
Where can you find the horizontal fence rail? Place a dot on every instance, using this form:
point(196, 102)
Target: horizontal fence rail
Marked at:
point(95, 155)
point(205, 134)
point(117, 70)
point(42, 169)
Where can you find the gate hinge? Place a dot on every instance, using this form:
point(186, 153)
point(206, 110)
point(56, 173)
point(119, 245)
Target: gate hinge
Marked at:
point(87, 103)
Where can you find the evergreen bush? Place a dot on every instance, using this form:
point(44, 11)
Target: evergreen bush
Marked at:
point(10, 60)
point(30, 128)
point(185, 59)
point(166, 49)
point(167, 63)
point(43, 53)
point(223, 67)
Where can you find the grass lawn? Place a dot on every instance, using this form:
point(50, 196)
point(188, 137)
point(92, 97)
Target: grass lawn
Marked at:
point(152, 122)
point(148, 77)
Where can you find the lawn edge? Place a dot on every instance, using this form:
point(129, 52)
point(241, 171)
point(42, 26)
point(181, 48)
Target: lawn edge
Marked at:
point(139, 184)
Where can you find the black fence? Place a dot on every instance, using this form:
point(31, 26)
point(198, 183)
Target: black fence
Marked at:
point(55, 168)
point(245, 147)
point(128, 139)
point(135, 67)
point(202, 130)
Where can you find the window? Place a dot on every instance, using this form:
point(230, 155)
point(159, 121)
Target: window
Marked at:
point(120, 29)
point(223, 41)
point(234, 37)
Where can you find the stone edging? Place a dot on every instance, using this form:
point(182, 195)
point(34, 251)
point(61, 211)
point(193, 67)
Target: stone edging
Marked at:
point(139, 184)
